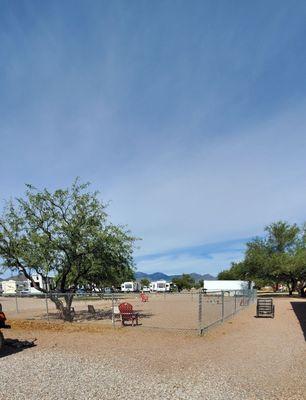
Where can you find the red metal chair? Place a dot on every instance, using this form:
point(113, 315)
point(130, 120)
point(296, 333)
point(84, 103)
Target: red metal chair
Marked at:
point(2, 325)
point(128, 314)
point(2, 319)
point(144, 297)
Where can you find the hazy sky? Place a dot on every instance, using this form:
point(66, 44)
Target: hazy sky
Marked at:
point(189, 115)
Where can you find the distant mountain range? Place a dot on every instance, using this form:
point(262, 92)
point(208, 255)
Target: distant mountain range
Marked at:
point(157, 276)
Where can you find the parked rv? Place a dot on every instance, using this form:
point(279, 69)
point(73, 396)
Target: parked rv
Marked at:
point(160, 286)
point(218, 285)
point(21, 285)
point(130, 287)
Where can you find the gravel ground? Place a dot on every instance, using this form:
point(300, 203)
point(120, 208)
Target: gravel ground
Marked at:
point(245, 358)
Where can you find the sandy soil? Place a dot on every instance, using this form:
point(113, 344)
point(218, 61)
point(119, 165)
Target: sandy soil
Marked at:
point(245, 358)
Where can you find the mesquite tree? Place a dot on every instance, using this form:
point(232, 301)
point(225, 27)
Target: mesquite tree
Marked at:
point(280, 257)
point(65, 234)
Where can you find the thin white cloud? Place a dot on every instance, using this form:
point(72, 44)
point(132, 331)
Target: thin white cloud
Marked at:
point(187, 263)
point(224, 190)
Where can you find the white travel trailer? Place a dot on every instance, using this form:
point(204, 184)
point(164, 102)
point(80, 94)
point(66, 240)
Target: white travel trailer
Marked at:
point(130, 287)
point(20, 284)
point(160, 286)
point(15, 284)
point(217, 286)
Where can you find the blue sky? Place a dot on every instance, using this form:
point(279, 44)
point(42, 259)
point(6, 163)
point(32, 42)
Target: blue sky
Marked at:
point(188, 116)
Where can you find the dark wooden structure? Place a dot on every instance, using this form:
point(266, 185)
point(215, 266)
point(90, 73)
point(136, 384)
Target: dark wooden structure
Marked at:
point(91, 309)
point(265, 307)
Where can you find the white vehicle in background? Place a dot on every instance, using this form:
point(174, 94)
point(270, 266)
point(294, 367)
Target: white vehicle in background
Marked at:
point(130, 287)
point(146, 289)
point(160, 286)
point(217, 286)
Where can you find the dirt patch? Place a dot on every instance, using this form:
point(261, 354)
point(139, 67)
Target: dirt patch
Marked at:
point(58, 326)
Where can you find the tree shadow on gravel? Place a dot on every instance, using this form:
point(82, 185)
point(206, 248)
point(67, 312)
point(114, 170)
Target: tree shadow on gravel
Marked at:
point(80, 316)
point(13, 346)
point(98, 315)
point(102, 315)
point(299, 307)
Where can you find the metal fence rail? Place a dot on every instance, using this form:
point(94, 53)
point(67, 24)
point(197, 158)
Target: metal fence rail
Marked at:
point(194, 311)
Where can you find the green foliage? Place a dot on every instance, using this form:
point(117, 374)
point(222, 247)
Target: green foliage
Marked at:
point(237, 271)
point(145, 282)
point(199, 284)
point(65, 234)
point(185, 281)
point(227, 275)
point(282, 237)
point(280, 257)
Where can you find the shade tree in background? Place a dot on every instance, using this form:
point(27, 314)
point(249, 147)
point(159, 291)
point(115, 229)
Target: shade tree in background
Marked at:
point(145, 282)
point(278, 258)
point(185, 281)
point(65, 234)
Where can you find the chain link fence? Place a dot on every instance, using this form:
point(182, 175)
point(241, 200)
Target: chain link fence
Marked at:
point(215, 307)
point(194, 311)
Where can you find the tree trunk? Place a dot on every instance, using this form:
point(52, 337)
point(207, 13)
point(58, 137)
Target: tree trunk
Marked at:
point(291, 285)
point(303, 291)
point(66, 311)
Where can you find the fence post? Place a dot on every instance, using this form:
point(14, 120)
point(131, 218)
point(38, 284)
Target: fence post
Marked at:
point(222, 297)
point(47, 307)
point(16, 300)
point(113, 314)
point(200, 326)
point(235, 301)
